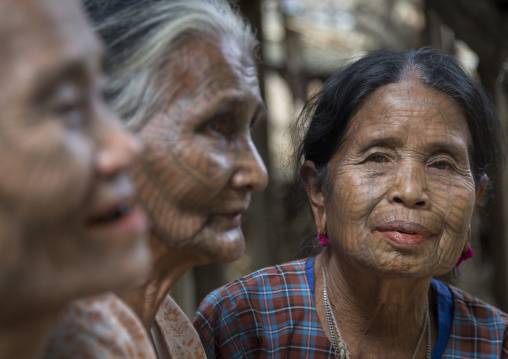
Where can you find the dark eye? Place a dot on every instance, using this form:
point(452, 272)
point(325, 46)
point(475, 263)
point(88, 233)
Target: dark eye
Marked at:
point(441, 165)
point(377, 158)
point(216, 126)
point(221, 125)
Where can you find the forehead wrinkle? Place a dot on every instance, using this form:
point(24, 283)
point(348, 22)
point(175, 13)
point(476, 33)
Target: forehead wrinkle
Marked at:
point(375, 128)
point(396, 135)
point(417, 103)
point(232, 59)
point(190, 67)
point(234, 54)
point(203, 91)
point(209, 63)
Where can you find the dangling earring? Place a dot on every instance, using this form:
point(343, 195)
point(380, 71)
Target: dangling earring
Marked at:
point(322, 239)
point(464, 257)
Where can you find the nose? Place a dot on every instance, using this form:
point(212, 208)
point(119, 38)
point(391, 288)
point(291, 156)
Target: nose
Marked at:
point(118, 148)
point(251, 173)
point(410, 187)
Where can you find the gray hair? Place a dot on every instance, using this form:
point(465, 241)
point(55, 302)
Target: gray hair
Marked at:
point(140, 35)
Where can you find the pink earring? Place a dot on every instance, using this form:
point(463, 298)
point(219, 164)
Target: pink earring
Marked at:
point(323, 239)
point(464, 257)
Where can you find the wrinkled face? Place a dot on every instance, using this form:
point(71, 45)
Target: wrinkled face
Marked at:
point(200, 164)
point(67, 226)
point(402, 192)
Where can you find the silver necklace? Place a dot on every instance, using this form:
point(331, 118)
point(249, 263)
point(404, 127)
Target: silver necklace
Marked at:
point(341, 351)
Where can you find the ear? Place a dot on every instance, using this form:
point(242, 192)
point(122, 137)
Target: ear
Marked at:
point(309, 176)
point(480, 188)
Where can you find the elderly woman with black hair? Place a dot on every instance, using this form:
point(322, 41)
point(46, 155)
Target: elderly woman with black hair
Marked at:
point(396, 155)
point(182, 75)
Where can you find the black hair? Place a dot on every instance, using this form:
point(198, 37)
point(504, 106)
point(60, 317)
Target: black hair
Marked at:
point(331, 110)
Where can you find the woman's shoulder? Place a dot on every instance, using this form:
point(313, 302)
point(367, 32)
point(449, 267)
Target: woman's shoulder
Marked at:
point(256, 309)
point(473, 310)
point(476, 327)
point(99, 327)
point(261, 288)
point(291, 274)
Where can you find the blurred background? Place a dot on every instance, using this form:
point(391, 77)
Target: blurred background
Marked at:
point(302, 43)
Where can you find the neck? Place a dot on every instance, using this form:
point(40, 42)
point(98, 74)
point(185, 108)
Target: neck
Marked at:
point(169, 265)
point(26, 340)
point(377, 316)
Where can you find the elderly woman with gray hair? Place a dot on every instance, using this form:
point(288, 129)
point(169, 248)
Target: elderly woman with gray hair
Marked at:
point(183, 78)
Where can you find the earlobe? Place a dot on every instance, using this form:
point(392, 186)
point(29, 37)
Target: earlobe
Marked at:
point(467, 252)
point(309, 177)
point(482, 185)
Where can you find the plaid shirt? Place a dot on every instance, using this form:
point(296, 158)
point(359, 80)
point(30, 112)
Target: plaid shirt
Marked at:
point(271, 314)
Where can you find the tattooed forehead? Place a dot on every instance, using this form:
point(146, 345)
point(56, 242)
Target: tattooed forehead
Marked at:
point(210, 62)
point(208, 76)
point(390, 112)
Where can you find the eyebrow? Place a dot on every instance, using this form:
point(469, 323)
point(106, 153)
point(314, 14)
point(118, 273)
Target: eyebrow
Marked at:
point(46, 81)
point(231, 103)
point(453, 147)
point(389, 141)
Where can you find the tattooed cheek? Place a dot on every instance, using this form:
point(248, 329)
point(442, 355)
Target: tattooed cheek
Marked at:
point(384, 174)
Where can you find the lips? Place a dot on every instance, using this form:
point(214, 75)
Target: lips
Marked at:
point(120, 221)
point(405, 234)
point(233, 218)
point(112, 214)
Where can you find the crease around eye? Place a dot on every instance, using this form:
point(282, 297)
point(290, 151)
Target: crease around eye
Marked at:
point(377, 158)
point(442, 165)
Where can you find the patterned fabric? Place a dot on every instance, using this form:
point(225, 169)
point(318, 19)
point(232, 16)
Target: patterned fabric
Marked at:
point(267, 314)
point(105, 327)
point(271, 314)
point(477, 328)
point(99, 327)
point(174, 329)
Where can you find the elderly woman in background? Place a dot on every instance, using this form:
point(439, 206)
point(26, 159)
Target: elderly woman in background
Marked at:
point(68, 227)
point(396, 155)
point(183, 77)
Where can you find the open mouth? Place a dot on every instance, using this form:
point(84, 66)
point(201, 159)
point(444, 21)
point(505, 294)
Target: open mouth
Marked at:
point(123, 209)
point(124, 221)
point(409, 233)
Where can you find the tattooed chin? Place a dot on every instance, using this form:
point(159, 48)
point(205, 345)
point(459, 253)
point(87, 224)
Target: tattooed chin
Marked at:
point(223, 245)
point(212, 240)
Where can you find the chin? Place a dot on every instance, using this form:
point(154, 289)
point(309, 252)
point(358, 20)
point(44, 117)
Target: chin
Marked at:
point(223, 247)
point(124, 270)
point(113, 269)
